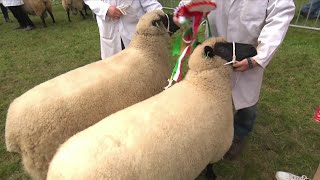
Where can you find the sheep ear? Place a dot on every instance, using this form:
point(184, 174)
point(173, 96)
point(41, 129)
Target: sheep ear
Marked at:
point(157, 23)
point(208, 52)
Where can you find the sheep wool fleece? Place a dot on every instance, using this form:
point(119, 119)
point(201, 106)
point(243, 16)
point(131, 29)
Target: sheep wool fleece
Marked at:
point(73, 4)
point(37, 7)
point(172, 135)
point(40, 120)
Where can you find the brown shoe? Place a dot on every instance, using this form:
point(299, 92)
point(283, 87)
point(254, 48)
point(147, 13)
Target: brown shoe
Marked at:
point(235, 149)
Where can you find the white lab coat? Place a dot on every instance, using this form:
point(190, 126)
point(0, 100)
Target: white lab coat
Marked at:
point(262, 23)
point(112, 30)
point(8, 3)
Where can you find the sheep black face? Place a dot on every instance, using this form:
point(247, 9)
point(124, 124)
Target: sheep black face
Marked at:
point(155, 23)
point(225, 51)
point(168, 22)
point(213, 54)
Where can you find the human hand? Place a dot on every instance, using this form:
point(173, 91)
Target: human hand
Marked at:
point(243, 65)
point(114, 12)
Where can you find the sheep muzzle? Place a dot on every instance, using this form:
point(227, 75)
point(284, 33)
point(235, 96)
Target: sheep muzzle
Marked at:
point(242, 51)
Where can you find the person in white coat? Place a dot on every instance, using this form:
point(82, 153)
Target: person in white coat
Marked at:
point(263, 24)
point(15, 6)
point(117, 20)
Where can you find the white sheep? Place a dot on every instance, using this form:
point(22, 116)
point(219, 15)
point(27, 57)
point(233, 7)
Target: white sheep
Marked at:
point(74, 6)
point(39, 8)
point(172, 135)
point(47, 115)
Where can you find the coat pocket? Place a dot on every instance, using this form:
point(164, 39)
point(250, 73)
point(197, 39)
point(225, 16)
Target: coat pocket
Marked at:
point(253, 10)
point(106, 29)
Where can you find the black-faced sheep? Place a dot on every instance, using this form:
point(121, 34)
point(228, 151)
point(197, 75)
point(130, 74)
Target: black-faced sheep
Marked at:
point(172, 135)
point(47, 115)
point(39, 8)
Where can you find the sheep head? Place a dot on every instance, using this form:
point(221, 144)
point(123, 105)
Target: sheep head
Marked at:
point(215, 52)
point(155, 23)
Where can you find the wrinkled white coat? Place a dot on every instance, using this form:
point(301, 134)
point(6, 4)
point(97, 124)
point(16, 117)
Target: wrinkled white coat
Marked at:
point(111, 30)
point(262, 23)
point(12, 2)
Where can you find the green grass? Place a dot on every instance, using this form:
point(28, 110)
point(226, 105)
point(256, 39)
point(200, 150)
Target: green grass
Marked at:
point(285, 136)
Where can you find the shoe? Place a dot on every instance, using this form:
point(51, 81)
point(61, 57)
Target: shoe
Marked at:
point(280, 175)
point(235, 149)
point(19, 27)
point(29, 28)
point(8, 20)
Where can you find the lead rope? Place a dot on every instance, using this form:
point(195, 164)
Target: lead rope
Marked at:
point(233, 54)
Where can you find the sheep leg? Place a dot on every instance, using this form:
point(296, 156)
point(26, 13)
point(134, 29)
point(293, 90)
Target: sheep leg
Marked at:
point(68, 13)
point(85, 10)
point(43, 19)
point(209, 172)
point(84, 17)
point(52, 17)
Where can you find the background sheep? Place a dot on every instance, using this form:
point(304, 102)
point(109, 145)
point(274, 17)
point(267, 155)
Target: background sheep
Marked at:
point(75, 6)
point(172, 135)
point(39, 8)
point(47, 115)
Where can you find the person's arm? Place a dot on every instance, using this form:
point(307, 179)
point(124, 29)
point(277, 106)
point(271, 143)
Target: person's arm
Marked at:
point(279, 15)
point(103, 10)
point(150, 5)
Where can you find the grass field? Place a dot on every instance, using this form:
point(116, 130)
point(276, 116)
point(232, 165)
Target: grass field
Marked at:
point(285, 136)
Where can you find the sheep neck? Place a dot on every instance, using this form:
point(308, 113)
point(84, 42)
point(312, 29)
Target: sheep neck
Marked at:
point(218, 83)
point(157, 44)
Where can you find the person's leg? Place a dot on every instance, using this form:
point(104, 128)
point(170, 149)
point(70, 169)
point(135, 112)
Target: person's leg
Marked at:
point(4, 12)
point(15, 10)
point(244, 120)
point(26, 18)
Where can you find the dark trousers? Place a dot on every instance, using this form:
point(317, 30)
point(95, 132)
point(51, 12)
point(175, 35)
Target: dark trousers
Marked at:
point(4, 11)
point(21, 16)
point(244, 120)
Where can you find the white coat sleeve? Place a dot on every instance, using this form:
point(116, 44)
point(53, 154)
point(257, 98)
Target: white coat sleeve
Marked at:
point(150, 5)
point(279, 15)
point(99, 8)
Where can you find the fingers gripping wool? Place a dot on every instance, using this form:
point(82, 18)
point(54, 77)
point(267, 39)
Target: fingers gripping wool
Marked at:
point(47, 115)
point(172, 135)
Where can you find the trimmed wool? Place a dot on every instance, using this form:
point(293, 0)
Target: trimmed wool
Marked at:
point(172, 135)
point(47, 115)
